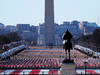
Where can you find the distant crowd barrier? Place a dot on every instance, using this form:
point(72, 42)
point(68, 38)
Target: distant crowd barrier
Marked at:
point(7, 54)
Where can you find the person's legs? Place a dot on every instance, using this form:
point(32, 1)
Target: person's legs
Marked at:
point(69, 53)
point(66, 54)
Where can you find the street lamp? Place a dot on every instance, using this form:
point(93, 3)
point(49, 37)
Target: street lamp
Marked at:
point(85, 62)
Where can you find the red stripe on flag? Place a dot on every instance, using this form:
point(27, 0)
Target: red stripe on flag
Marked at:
point(76, 73)
point(15, 72)
point(53, 72)
point(91, 72)
point(34, 71)
point(2, 71)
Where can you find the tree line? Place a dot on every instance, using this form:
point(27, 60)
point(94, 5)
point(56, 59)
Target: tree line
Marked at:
point(91, 39)
point(8, 38)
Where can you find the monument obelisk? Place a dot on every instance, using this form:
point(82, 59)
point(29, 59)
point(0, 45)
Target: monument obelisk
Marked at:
point(49, 36)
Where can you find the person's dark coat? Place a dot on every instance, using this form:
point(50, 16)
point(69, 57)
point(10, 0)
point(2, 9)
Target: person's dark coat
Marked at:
point(68, 45)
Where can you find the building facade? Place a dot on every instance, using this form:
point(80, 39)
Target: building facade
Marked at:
point(23, 27)
point(10, 28)
point(33, 29)
point(87, 28)
point(1, 26)
point(59, 31)
point(27, 35)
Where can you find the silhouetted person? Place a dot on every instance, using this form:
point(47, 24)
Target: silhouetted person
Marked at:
point(67, 45)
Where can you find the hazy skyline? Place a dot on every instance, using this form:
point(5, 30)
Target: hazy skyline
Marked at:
point(32, 12)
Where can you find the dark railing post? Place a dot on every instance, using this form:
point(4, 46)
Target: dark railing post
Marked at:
point(85, 62)
point(85, 69)
point(23, 73)
point(43, 73)
point(91, 72)
point(4, 73)
point(81, 72)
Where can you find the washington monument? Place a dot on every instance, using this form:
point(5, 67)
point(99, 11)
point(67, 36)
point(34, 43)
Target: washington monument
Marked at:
point(49, 38)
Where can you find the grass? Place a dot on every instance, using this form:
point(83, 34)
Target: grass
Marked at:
point(24, 55)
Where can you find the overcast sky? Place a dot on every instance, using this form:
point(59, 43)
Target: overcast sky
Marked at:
point(31, 12)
